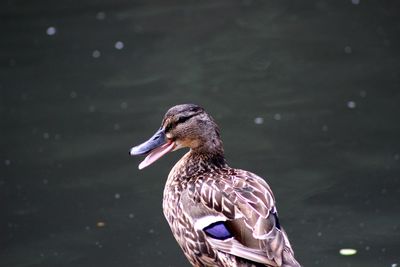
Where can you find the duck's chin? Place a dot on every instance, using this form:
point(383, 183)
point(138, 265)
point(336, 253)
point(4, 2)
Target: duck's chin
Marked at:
point(178, 145)
point(192, 144)
point(157, 153)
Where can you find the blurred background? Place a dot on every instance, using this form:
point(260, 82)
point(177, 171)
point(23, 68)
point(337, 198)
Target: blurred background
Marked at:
point(306, 95)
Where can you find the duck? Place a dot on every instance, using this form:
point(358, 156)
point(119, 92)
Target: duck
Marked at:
point(219, 215)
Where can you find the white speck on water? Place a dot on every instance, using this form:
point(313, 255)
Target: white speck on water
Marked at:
point(363, 93)
point(119, 45)
point(73, 94)
point(258, 120)
point(45, 181)
point(96, 54)
point(277, 117)
point(367, 248)
point(92, 108)
point(117, 196)
point(100, 15)
point(351, 104)
point(131, 216)
point(347, 251)
point(151, 231)
point(7, 162)
point(383, 250)
point(355, 2)
point(324, 128)
point(319, 234)
point(46, 136)
point(348, 50)
point(87, 228)
point(361, 224)
point(124, 105)
point(51, 31)
point(117, 126)
point(98, 244)
point(394, 264)
point(396, 156)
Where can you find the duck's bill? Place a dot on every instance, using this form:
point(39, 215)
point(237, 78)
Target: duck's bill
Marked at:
point(156, 154)
point(156, 147)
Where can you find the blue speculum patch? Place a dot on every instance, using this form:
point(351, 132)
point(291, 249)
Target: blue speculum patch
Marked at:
point(218, 230)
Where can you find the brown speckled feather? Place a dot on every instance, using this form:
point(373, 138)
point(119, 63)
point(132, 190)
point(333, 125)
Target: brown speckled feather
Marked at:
point(242, 199)
point(219, 216)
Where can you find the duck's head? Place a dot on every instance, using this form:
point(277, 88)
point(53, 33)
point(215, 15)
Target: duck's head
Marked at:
point(186, 125)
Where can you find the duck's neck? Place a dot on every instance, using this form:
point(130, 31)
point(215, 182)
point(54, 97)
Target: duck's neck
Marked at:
point(193, 164)
point(206, 157)
point(213, 160)
point(209, 149)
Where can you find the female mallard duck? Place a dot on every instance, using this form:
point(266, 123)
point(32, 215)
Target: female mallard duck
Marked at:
point(219, 215)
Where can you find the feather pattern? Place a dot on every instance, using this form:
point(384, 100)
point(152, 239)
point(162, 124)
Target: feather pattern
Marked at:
point(196, 197)
point(220, 216)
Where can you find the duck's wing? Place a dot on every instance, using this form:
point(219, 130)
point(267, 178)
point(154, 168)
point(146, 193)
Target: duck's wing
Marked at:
point(239, 217)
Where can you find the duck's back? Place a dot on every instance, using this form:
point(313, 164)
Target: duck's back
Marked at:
point(225, 217)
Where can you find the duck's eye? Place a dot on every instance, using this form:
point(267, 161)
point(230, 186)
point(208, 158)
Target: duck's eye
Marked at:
point(183, 119)
point(168, 127)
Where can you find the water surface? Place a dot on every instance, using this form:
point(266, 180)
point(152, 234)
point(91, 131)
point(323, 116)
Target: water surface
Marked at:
point(306, 95)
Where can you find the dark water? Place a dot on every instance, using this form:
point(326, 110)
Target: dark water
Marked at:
point(307, 96)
